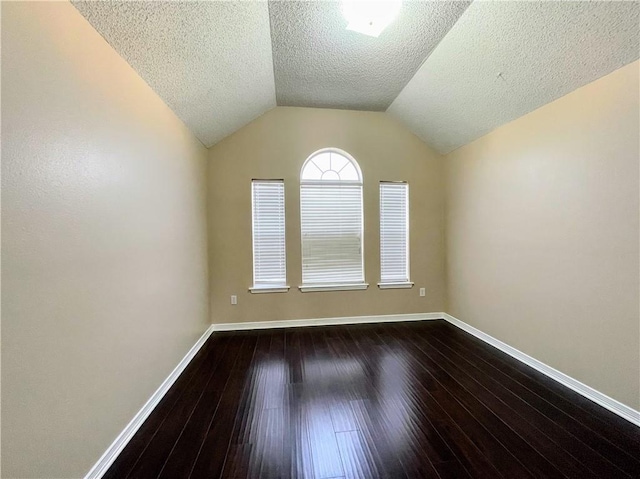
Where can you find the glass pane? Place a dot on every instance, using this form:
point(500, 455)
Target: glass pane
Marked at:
point(338, 162)
point(330, 176)
point(349, 173)
point(311, 172)
point(322, 161)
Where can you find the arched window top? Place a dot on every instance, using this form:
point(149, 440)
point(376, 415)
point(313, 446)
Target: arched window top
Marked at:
point(331, 165)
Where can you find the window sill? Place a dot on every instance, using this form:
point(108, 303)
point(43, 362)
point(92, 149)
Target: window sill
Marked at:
point(404, 285)
point(269, 289)
point(308, 288)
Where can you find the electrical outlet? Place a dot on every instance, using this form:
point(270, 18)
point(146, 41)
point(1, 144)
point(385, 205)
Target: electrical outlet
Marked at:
point(234, 299)
point(423, 292)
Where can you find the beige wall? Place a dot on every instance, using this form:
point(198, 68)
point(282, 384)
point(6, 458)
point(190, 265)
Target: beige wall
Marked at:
point(275, 146)
point(542, 234)
point(104, 267)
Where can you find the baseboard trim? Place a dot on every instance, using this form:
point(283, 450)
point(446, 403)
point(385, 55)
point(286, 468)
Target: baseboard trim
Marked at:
point(112, 452)
point(301, 323)
point(602, 399)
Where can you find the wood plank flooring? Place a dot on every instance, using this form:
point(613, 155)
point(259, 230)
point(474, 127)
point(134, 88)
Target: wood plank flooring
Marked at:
point(395, 400)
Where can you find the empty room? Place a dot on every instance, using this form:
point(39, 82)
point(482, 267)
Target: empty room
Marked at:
point(320, 239)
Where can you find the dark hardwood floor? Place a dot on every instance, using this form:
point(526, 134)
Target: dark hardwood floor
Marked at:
point(395, 400)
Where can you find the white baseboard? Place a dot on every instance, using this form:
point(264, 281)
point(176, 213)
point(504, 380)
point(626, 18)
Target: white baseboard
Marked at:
point(602, 399)
point(299, 323)
point(112, 452)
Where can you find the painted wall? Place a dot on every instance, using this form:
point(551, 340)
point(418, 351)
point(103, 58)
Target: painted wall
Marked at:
point(104, 261)
point(275, 146)
point(543, 234)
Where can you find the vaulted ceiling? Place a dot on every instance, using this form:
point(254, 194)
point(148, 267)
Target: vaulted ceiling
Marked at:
point(450, 71)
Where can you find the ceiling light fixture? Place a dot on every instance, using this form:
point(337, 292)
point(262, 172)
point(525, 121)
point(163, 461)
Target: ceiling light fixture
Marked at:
point(370, 17)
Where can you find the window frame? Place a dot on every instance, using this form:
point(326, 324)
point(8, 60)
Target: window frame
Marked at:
point(267, 287)
point(407, 284)
point(334, 286)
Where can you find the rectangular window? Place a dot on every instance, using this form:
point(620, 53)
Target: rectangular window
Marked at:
point(269, 251)
point(331, 222)
point(394, 235)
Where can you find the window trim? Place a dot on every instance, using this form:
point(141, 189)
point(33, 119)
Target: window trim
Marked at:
point(333, 286)
point(310, 288)
point(407, 284)
point(398, 285)
point(268, 287)
point(339, 152)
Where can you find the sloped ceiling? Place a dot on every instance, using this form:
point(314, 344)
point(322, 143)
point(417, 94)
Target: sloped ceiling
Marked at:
point(209, 61)
point(449, 71)
point(502, 60)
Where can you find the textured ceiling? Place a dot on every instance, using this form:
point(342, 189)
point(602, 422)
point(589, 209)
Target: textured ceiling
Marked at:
point(318, 63)
point(220, 64)
point(504, 59)
point(209, 61)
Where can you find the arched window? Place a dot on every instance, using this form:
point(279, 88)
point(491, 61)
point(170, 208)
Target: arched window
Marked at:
point(331, 222)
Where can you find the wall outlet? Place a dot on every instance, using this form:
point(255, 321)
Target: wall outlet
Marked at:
point(423, 292)
point(234, 299)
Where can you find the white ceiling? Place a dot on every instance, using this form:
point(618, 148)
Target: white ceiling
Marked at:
point(219, 65)
point(209, 61)
point(319, 63)
point(542, 51)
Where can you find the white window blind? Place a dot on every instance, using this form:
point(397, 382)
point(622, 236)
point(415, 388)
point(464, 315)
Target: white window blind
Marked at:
point(331, 217)
point(331, 221)
point(394, 232)
point(269, 253)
